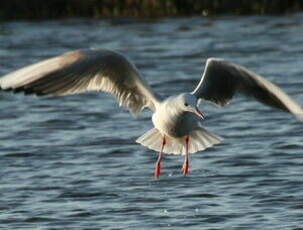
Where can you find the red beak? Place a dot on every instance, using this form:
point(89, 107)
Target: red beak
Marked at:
point(199, 113)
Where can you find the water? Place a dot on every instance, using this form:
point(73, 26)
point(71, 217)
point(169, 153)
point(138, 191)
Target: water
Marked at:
point(71, 162)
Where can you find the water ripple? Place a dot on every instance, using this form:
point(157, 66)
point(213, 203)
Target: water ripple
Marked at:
point(72, 162)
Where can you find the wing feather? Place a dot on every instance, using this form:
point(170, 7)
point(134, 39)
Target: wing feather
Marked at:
point(84, 70)
point(222, 79)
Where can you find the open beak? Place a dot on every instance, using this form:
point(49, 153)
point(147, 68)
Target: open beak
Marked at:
point(199, 113)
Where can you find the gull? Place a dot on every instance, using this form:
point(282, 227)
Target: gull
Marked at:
point(176, 119)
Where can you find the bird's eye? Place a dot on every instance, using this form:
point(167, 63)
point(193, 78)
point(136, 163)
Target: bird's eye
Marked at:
point(185, 104)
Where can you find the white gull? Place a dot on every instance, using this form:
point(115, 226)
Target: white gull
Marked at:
point(177, 128)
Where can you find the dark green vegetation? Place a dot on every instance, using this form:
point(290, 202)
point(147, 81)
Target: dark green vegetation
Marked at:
point(39, 9)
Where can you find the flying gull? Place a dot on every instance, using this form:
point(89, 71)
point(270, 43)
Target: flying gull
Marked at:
point(176, 119)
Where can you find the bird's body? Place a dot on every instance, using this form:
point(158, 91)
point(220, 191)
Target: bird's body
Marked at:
point(177, 119)
point(172, 121)
point(178, 129)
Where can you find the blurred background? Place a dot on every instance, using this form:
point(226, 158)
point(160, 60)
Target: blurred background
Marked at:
point(36, 9)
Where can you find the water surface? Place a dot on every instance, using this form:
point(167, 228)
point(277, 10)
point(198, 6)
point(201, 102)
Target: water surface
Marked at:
point(72, 163)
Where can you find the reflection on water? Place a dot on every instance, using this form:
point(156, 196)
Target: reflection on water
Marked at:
point(72, 162)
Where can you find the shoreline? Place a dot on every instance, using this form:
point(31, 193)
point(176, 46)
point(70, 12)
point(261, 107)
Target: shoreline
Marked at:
point(59, 9)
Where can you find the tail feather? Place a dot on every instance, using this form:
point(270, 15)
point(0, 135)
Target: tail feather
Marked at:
point(203, 140)
point(199, 140)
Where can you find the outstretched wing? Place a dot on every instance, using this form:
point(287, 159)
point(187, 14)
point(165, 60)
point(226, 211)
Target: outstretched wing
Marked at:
point(84, 70)
point(222, 79)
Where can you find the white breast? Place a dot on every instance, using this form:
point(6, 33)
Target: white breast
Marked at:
point(174, 122)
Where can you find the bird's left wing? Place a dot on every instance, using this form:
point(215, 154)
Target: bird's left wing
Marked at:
point(84, 70)
point(222, 79)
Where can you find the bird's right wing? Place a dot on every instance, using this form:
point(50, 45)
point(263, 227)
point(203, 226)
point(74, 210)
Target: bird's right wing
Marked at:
point(84, 70)
point(222, 79)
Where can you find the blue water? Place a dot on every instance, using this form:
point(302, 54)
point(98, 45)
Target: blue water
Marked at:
point(72, 163)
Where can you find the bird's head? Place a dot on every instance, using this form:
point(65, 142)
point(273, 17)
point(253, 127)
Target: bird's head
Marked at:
point(189, 104)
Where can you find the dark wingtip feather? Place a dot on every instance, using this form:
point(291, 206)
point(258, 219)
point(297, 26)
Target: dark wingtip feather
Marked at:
point(31, 91)
point(8, 89)
point(25, 90)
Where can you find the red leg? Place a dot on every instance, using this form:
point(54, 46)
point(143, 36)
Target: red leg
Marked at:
point(158, 163)
point(186, 161)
